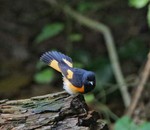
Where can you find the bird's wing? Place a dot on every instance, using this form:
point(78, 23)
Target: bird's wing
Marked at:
point(71, 74)
point(54, 58)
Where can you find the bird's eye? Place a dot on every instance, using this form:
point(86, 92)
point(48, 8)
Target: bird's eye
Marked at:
point(91, 83)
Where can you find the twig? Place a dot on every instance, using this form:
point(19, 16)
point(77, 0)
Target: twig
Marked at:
point(109, 43)
point(138, 92)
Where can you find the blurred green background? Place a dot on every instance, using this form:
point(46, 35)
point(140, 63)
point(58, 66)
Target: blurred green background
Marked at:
point(30, 28)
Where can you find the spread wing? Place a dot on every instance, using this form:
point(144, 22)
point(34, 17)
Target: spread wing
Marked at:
point(54, 58)
point(63, 64)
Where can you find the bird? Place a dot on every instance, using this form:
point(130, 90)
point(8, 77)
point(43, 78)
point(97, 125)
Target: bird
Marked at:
point(75, 80)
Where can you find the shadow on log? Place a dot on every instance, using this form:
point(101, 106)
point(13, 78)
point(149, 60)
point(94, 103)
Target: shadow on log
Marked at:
point(58, 111)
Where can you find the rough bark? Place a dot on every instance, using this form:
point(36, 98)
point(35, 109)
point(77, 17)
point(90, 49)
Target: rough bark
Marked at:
point(57, 111)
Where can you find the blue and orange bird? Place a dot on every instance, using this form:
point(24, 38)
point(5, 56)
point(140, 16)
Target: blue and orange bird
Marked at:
point(75, 80)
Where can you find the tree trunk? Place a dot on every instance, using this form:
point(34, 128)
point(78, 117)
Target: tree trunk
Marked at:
point(58, 111)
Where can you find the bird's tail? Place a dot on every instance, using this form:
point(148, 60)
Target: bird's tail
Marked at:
point(54, 58)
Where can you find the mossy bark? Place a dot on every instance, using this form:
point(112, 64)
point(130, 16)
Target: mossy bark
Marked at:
point(58, 111)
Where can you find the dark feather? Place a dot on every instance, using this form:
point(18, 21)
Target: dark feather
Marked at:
point(77, 74)
point(49, 56)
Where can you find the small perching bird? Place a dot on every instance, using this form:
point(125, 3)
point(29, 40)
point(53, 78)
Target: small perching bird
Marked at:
point(75, 80)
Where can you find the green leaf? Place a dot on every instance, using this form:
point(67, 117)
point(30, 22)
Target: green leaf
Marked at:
point(125, 123)
point(138, 3)
point(49, 31)
point(44, 76)
point(84, 6)
point(145, 126)
point(75, 37)
point(89, 97)
point(148, 15)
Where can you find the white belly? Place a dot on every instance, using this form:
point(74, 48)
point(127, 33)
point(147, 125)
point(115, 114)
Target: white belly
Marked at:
point(66, 86)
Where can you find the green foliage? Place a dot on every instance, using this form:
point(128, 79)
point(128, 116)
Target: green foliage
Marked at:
point(145, 126)
point(75, 37)
point(44, 76)
point(126, 123)
point(84, 6)
point(49, 31)
point(89, 98)
point(138, 3)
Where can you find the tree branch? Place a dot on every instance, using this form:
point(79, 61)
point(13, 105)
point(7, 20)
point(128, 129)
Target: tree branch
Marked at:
point(144, 77)
point(53, 111)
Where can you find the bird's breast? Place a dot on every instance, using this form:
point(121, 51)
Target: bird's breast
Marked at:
point(70, 88)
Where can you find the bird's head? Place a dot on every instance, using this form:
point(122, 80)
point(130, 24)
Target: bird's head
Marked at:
point(89, 81)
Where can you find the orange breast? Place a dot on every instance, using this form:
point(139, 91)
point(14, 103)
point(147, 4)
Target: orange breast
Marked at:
point(76, 89)
point(70, 88)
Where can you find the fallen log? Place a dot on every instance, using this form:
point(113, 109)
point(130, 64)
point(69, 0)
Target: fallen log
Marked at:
point(58, 111)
